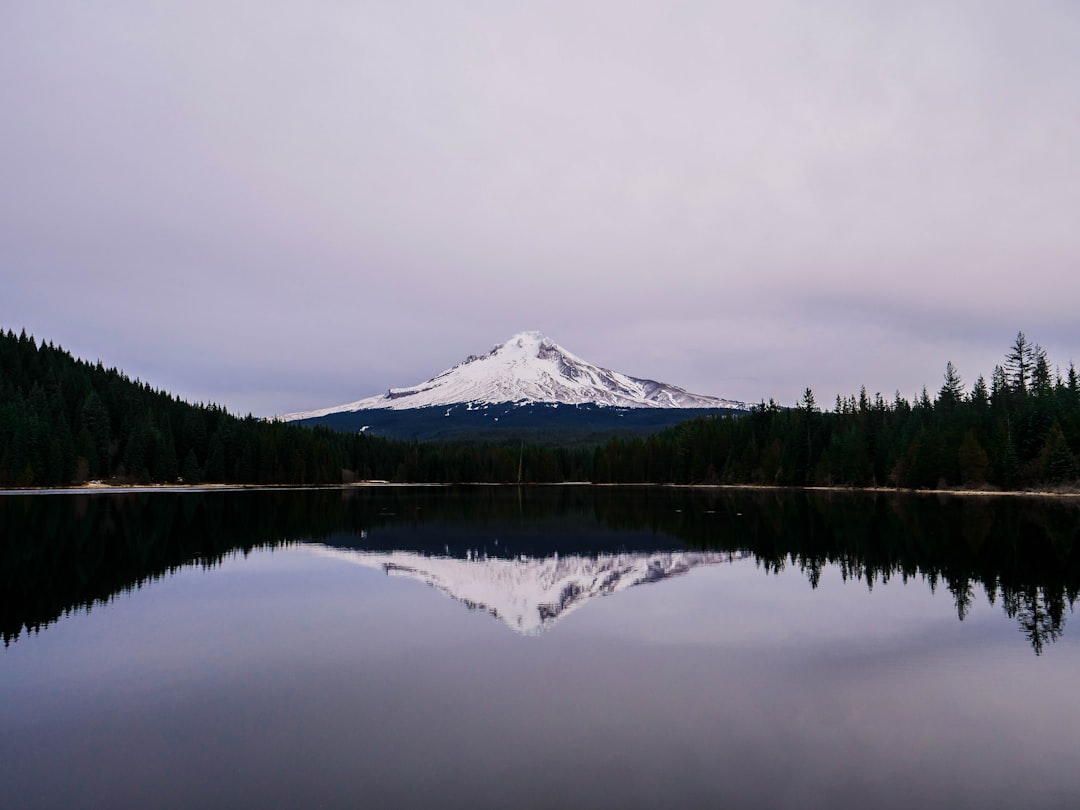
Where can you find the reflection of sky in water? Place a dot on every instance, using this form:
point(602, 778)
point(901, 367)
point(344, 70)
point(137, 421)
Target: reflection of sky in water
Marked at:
point(286, 679)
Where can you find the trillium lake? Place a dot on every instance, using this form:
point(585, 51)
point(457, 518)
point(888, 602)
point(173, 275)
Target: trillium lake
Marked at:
point(538, 647)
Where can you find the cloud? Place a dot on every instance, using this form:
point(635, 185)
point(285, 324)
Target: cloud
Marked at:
point(347, 197)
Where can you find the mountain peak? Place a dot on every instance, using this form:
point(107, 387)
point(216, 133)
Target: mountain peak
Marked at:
point(530, 368)
point(527, 338)
point(529, 344)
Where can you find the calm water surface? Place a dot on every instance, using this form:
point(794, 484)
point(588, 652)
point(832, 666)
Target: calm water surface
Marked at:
point(538, 648)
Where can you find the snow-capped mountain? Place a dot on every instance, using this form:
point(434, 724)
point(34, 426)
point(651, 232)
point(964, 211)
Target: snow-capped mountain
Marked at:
point(530, 368)
point(530, 595)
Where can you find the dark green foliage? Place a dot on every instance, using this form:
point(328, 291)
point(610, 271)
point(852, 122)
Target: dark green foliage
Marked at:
point(66, 421)
point(1057, 461)
point(980, 394)
point(1019, 362)
point(538, 423)
point(190, 472)
point(974, 463)
point(952, 391)
point(1022, 431)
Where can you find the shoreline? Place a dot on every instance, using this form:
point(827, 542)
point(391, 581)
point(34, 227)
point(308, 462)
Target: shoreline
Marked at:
point(1011, 493)
point(97, 487)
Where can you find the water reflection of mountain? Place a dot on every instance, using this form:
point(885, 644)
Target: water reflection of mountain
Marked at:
point(66, 552)
point(531, 594)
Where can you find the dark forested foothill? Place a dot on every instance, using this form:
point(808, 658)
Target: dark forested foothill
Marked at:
point(65, 421)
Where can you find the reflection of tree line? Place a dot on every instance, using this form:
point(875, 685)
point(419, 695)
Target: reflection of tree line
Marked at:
point(63, 553)
point(60, 553)
point(1023, 551)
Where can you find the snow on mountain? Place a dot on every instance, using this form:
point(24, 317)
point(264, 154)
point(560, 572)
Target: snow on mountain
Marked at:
point(530, 595)
point(530, 368)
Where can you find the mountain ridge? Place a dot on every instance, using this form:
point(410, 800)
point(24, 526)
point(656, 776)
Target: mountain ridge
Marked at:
point(529, 369)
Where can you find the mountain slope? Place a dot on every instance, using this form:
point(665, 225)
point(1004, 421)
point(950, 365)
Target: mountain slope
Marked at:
point(529, 369)
point(66, 421)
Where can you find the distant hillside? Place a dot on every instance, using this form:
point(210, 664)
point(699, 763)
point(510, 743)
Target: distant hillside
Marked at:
point(65, 421)
point(534, 423)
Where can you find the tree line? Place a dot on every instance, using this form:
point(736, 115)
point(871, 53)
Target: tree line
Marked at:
point(65, 421)
point(72, 553)
point(1020, 430)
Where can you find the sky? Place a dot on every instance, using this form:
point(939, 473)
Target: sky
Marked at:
point(280, 206)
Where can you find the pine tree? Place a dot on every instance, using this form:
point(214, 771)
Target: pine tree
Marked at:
point(999, 387)
point(215, 459)
point(952, 390)
point(1057, 461)
point(95, 420)
point(974, 463)
point(1041, 383)
point(1019, 363)
point(190, 471)
point(980, 396)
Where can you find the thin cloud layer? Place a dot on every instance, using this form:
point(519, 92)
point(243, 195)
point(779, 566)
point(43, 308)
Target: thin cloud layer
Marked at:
point(285, 207)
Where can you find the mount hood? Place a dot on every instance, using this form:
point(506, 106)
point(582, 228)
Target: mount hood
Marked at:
point(530, 368)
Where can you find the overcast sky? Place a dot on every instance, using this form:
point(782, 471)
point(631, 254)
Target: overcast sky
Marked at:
point(279, 206)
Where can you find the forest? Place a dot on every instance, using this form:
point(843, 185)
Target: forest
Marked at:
point(1020, 430)
point(65, 421)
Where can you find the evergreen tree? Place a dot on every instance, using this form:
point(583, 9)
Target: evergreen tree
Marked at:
point(1041, 382)
point(1019, 363)
point(95, 419)
point(214, 469)
point(973, 460)
point(999, 388)
point(191, 472)
point(952, 390)
point(980, 395)
point(1057, 461)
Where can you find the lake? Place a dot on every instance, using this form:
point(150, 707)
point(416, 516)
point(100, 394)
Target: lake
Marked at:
point(538, 647)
